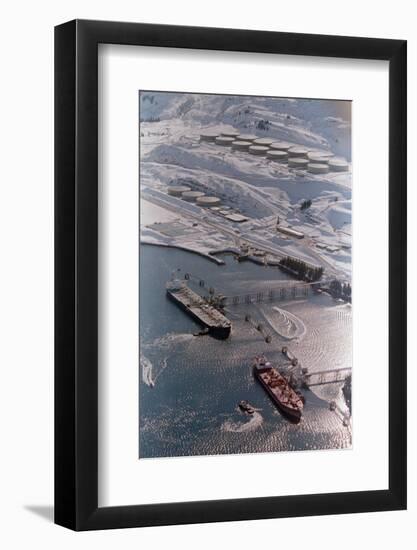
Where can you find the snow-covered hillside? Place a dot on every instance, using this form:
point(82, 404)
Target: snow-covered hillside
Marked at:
point(317, 123)
point(260, 189)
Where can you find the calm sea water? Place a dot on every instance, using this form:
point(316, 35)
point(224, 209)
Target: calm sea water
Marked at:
point(190, 386)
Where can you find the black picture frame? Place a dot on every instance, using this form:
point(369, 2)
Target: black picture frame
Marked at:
point(76, 272)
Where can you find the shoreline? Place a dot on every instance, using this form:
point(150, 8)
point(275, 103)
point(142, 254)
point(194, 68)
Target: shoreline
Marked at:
point(217, 261)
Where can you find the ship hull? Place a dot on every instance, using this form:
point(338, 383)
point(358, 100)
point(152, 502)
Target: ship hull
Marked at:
point(290, 413)
point(219, 332)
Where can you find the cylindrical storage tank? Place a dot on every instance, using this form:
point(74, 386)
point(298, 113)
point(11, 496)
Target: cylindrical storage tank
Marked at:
point(241, 145)
point(280, 146)
point(258, 150)
point(263, 141)
point(225, 141)
point(177, 190)
point(338, 165)
point(208, 201)
point(318, 156)
point(299, 152)
point(280, 156)
point(247, 137)
point(231, 133)
point(192, 196)
point(296, 162)
point(208, 135)
point(316, 168)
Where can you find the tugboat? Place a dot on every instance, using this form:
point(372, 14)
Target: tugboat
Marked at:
point(278, 388)
point(245, 406)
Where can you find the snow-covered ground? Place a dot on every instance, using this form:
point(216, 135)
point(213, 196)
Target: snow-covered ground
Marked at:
point(260, 189)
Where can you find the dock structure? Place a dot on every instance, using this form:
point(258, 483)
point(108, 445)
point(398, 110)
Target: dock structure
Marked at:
point(326, 376)
point(284, 291)
point(260, 327)
point(317, 378)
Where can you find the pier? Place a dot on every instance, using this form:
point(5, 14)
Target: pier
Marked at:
point(326, 376)
point(307, 379)
point(286, 290)
point(300, 377)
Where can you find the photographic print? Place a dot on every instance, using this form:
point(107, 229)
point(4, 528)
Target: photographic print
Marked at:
point(245, 291)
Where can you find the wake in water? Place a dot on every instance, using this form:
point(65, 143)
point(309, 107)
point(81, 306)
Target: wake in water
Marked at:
point(146, 368)
point(148, 375)
point(286, 324)
point(168, 340)
point(254, 423)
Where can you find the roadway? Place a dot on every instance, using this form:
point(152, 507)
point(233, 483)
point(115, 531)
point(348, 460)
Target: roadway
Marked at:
point(179, 207)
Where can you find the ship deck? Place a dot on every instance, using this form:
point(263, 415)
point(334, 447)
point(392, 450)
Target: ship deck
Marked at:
point(195, 303)
point(280, 388)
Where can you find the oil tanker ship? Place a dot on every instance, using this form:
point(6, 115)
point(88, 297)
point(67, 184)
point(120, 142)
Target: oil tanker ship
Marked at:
point(279, 390)
point(197, 307)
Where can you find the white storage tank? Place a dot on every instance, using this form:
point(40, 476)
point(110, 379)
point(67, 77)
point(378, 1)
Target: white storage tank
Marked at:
point(192, 196)
point(225, 141)
point(208, 201)
point(209, 135)
point(258, 150)
point(238, 218)
point(338, 165)
point(290, 232)
point(296, 162)
point(316, 168)
point(241, 145)
point(177, 190)
point(247, 137)
point(296, 151)
point(319, 157)
point(280, 145)
point(280, 156)
point(263, 141)
point(231, 133)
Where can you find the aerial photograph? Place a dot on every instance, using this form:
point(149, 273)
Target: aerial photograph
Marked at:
point(245, 294)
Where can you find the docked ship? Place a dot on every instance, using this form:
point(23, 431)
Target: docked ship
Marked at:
point(199, 308)
point(278, 388)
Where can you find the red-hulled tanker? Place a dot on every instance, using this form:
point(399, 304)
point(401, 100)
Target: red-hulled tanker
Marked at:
point(279, 390)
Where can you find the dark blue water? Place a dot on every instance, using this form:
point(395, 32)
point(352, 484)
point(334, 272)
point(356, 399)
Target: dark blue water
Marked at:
point(190, 386)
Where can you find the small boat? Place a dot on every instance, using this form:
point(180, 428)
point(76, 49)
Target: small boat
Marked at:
point(245, 406)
